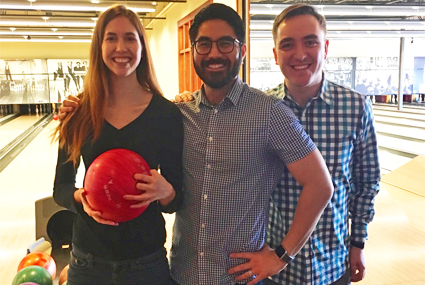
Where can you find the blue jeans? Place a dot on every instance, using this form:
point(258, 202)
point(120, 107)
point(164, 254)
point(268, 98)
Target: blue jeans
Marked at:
point(86, 269)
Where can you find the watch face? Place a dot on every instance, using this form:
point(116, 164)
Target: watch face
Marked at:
point(280, 251)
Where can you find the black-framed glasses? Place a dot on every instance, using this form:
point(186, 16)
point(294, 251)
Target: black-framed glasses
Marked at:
point(224, 45)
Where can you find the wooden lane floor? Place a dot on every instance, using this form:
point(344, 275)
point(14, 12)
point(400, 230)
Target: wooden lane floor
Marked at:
point(15, 127)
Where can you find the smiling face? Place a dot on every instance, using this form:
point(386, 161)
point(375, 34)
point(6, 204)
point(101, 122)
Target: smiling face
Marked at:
point(215, 68)
point(121, 47)
point(300, 50)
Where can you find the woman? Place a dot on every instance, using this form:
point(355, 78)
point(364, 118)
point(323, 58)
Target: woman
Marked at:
point(121, 107)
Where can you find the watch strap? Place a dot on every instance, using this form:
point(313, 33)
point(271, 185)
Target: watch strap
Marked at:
point(357, 244)
point(283, 254)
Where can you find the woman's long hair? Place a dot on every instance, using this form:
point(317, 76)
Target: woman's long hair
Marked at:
point(86, 122)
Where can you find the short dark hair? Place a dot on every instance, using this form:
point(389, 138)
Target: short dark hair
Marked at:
point(297, 10)
point(221, 12)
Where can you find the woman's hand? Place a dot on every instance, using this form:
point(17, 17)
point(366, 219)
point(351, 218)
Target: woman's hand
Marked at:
point(80, 197)
point(153, 188)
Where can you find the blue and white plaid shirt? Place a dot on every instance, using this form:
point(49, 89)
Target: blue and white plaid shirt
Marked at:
point(234, 154)
point(340, 122)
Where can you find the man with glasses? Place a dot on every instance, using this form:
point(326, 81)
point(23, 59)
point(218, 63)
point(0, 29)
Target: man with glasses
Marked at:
point(237, 143)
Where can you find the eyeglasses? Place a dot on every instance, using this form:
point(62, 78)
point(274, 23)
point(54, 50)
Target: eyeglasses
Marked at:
point(224, 45)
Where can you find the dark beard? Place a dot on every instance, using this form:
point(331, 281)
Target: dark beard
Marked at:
point(218, 83)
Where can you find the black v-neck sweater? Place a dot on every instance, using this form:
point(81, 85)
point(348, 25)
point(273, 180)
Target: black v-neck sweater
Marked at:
point(156, 135)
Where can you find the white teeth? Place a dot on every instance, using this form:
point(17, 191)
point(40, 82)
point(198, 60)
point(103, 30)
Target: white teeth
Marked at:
point(300, 66)
point(215, 66)
point(119, 59)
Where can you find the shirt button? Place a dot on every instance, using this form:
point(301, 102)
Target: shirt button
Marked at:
point(201, 254)
point(215, 111)
point(208, 166)
point(210, 139)
point(205, 196)
point(203, 226)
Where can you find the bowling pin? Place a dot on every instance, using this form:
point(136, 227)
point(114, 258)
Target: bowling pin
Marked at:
point(29, 109)
point(36, 109)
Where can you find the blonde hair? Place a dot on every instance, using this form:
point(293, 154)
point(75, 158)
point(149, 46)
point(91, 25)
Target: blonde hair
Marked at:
point(87, 120)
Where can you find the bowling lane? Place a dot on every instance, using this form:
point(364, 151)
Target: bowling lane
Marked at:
point(14, 128)
point(27, 178)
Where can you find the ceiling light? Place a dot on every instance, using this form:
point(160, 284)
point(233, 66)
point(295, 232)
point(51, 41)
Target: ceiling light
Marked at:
point(139, 9)
point(95, 2)
point(12, 29)
point(60, 37)
point(154, 3)
point(31, 0)
point(54, 30)
point(94, 19)
point(269, 5)
point(47, 40)
point(45, 18)
point(344, 10)
point(48, 25)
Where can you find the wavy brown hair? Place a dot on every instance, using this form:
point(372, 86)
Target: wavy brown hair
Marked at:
point(86, 122)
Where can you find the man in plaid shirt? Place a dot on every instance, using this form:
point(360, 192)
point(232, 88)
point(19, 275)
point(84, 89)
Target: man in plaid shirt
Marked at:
point(340, 122)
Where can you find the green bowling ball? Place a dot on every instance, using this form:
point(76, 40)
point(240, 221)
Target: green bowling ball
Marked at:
point(36, 274)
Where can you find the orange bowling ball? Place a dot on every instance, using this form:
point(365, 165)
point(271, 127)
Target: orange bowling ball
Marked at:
point(39, 259)
point(55, 117)
point(63, 277)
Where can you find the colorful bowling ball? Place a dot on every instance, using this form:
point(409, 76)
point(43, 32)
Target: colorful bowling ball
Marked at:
point(35, 274)
point(109, 178)
point(40, 259)
point(63, 277)
point(55, 117)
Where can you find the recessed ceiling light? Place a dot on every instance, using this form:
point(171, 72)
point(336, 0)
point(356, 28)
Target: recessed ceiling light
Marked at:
point(60, 37)
point(12, 29)
point(94, 19)
point(31, 0)
point(45, 18)
point(153, 3)
point(54, 30)
point(95, 2)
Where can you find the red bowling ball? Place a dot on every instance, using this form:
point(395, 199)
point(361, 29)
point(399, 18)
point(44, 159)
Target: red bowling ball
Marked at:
point(55, 117)
point(109, 178)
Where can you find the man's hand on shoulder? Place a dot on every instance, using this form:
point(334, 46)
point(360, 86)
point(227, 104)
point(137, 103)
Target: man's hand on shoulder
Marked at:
point(185, 96)
point(69, 105)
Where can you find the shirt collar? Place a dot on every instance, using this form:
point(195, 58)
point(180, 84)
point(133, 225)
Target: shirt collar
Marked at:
point(322, 94)
point(233, 96)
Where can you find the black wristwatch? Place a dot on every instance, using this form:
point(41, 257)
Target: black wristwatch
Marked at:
point(357, 244)
point(282, 254)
